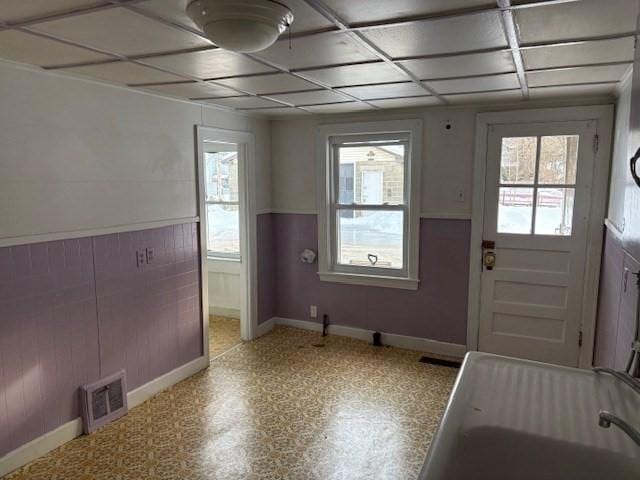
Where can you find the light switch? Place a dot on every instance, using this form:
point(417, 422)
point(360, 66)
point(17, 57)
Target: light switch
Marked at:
point(141, 258)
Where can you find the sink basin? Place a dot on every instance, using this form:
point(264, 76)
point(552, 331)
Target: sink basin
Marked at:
point(515, 419)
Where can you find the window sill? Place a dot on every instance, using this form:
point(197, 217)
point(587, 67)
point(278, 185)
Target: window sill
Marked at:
point(370, 280)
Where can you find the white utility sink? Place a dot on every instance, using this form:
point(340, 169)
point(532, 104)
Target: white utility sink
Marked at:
point(517, 419)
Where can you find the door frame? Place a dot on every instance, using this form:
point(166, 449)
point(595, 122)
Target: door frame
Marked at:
point(248, 229)
point(603, 116)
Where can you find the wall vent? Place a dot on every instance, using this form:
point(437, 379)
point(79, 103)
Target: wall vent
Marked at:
point(104, 401)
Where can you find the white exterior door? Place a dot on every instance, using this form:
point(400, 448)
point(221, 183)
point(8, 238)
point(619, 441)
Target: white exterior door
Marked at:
point(536, 212)
point(372, 187)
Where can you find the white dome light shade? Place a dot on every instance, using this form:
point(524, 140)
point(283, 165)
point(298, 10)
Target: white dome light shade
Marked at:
point(241, 25)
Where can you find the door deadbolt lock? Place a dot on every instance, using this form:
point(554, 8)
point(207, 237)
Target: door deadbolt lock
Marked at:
point(489, 260)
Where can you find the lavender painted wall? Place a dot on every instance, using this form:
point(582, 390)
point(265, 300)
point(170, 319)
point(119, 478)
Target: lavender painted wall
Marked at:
point(437, 310)
point(616, 305)
point(64, 323)
point(266, 268)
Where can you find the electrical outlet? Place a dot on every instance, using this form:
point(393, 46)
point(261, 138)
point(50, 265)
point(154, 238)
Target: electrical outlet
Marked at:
point(313, 311)
point(141, 258)
point(150, 255)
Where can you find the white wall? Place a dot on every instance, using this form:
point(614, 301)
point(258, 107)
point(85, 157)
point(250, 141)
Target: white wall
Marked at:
point(447, 159)
point(620, 163)
point(224, 288)
point(79, 155)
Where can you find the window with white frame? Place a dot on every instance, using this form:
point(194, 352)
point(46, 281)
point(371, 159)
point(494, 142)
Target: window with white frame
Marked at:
point(370, 196)
point(222, 202)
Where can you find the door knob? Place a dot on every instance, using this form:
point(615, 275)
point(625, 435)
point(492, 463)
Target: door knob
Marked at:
point(489, 260)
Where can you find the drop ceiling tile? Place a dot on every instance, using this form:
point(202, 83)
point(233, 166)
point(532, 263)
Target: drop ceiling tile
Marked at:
point(316, 51)
point(271, 83)
point(243, 102)
point(582, 53)
point(445, 35)
point(310, 98)
point(386, 90)
point(365, 11)
point(209, 64)
point(344, 107)
point(278, 112)
point(570, 76)
point(572, 90)
point(17, 10)
point(172, 10)
point(377, 72)
point(192, 90)
point(24, 47)
point(573, 20)
point(121, 31)
point(124, 72)
point(503, 81)
point(407, 102)
point(462, 65)
point(485, 97)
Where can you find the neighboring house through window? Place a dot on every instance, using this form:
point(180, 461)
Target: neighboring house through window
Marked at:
point(369, 219)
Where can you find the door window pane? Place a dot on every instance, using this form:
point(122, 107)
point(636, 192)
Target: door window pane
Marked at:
point(558, 159)
point(518, 160)
point(371, 174)
point(370, 238)
point(223, 229)
point(554, 211)
point(515, 210)
point(221, 170)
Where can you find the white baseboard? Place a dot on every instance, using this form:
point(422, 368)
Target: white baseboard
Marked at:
point(225, 312)
point(265, 327)
point(64, 433)
point(401, 341)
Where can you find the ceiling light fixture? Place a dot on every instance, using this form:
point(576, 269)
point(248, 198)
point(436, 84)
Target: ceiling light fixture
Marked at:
point(241, 25)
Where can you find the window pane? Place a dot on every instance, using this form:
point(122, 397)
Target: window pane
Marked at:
point(518, 160)
point(221, 174)
point(223, 229)
point(371, 174)
point(370, 238)
point(554, 211)
point(515, 210)
point(558, 159)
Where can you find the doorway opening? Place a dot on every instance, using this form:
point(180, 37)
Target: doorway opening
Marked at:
point(225, 228)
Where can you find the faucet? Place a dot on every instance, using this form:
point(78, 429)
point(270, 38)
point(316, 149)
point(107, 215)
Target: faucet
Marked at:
point(623, 376)
point(607, 418)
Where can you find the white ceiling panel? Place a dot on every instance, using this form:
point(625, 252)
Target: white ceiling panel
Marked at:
point(209, 64)
point(573, 20)
point(407, 102)
point(386, 90)
point(124, 72)
point(447, 35)
point(378, 72)
point(462, 65)
point(172, 10)
point(569, 76)
point(573, 90)
point(244, 102)
point(344, 107)
point(309, 98)
point(582, 53)
point(485, 97)
point(17, 10)
point(192, 90)
point(361, 11)
point(24, 47)
point(121, 31)
point(279, 112)
point(317, 50)
point(271, 83)
point(503, 81)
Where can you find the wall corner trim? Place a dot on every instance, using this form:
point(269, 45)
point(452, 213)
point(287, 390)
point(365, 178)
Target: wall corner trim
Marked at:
point(66, 432)
point(265, 327)
point(394, 340)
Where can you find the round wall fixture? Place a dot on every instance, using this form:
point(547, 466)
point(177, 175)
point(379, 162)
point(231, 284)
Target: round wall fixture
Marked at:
point(241, 25)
